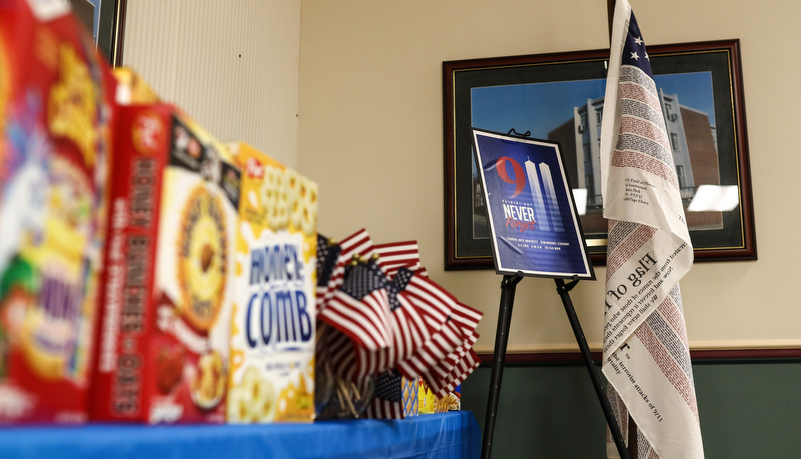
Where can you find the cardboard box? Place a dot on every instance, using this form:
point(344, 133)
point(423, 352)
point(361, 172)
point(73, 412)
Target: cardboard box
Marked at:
point(167, 290)
point(428, 402)
point(132, 88)
point(272, 337)
point(410, 396)
point(56, 100)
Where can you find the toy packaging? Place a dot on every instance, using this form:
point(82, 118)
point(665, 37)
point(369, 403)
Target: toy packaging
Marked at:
point(164, 330)
point(273, 325)
point(56, 101)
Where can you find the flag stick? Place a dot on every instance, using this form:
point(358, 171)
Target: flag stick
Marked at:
point(632, 427)
point(508, 286)
point(564, 293)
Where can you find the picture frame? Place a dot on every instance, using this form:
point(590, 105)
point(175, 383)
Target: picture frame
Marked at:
point(534, 226)
point(109, 28)
point(555, 96)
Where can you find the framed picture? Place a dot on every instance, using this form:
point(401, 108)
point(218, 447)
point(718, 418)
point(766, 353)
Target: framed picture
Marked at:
point(106, 20)
point(559, 97)
point(534, 226)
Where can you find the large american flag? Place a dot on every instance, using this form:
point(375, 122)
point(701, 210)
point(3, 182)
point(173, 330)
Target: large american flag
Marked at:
point(646, 351)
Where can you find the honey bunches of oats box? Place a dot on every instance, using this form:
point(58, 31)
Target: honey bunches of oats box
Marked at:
point(273, 324)
point(167, 291)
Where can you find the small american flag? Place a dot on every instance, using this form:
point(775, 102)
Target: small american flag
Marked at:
point(358, 244)
point(385, 318)
point(359, 308)
point(393, 256)
point(327, 256)
point(387, 400)
point(442, 384)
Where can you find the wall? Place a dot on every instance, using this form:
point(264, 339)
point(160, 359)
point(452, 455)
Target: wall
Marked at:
point(233, 67)
point(747, 410)
point(371, 134)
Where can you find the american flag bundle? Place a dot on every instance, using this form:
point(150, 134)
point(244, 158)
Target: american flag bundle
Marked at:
point(383, 321)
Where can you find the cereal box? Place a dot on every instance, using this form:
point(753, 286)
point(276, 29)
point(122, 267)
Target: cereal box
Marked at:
point(410, 397)
point(428, 402)
point(56, 100)
point(165, 324)
point(132, 88)
point(273, 326)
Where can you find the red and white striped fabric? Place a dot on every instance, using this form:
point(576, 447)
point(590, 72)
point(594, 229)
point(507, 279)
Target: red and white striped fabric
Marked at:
point(393, 256)
point(442, 385)
point(442, 343)
point(384, 316)
point(645, 348)
point(384, 409)
point(387, 402)
point(365, 320)
point(360, 310)
point(358, 244)
point(426, 297)
point(408, 331)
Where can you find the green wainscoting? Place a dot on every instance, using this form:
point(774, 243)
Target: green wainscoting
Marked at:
point(748, 409)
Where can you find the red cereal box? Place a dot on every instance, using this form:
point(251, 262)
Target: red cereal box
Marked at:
point(163, 350)
point(55, 121)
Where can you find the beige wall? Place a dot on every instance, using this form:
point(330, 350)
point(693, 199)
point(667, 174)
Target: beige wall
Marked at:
point(371, 134)
point(232, 66)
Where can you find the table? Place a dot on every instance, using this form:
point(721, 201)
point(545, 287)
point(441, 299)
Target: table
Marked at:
point(454, 434)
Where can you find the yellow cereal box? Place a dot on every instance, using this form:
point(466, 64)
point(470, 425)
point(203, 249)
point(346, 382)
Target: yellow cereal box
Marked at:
point(428, 402)
point(272, 334)
point(132, 88)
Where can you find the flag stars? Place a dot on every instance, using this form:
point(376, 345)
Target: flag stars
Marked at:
point(635, 56)
point(638, 40)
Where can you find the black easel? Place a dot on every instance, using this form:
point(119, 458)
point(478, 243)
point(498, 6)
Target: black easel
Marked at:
point(564, 292)
point(508, 286)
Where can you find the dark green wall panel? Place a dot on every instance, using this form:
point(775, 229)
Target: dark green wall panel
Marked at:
point(748, 410)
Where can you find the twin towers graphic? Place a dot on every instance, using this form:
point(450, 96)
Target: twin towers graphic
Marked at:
point(546, 208)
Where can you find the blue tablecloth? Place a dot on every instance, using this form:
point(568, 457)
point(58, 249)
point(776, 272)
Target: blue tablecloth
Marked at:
point(449, 435)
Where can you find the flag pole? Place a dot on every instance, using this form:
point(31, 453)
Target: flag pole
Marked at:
point(632, 427)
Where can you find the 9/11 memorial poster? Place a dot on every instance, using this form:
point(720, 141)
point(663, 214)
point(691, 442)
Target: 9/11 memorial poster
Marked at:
point(534, 226)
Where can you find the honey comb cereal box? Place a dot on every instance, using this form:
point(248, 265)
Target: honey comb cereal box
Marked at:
point(56, 101)
point(272, 334)
point(163, 345)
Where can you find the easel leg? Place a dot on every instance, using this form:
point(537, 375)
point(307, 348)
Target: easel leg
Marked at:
point(508, 286)
point(564, 292)
point(632, 439)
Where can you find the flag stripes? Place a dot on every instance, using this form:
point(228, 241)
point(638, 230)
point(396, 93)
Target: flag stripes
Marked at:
point(383, 319)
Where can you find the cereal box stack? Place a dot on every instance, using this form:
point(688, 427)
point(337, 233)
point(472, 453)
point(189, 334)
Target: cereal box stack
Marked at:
point(273, 326)
point(55, 118)
point(163, 345)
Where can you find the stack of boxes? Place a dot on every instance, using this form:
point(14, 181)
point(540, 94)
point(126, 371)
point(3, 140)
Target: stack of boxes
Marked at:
point(171, 281)
point(148, 272)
